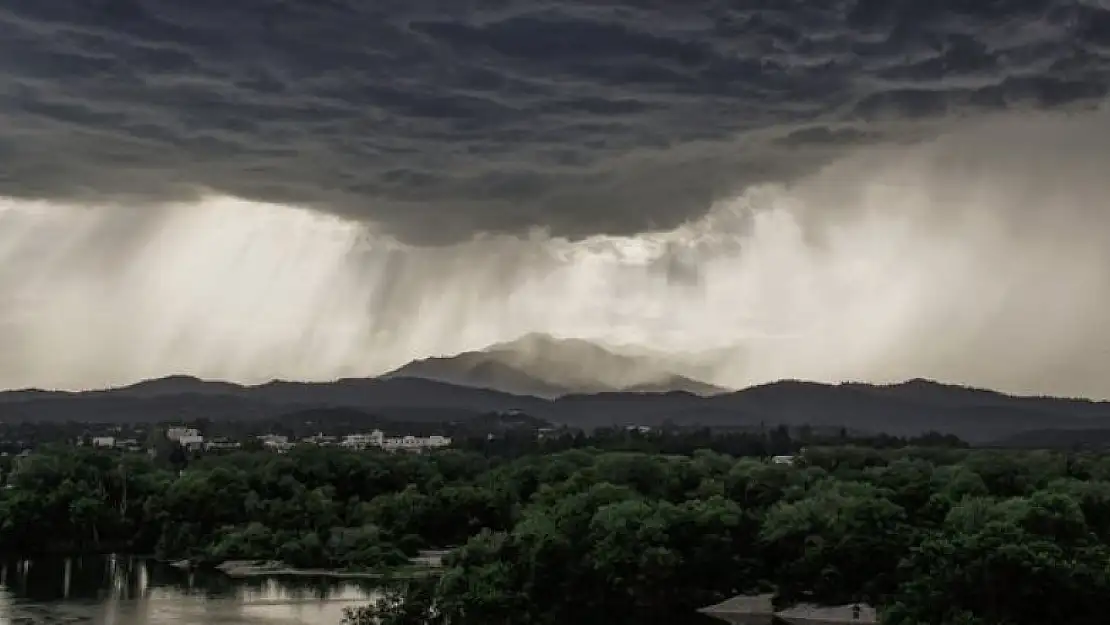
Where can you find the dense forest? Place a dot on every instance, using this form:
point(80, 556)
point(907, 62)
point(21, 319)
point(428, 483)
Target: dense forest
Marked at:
point(931, 534)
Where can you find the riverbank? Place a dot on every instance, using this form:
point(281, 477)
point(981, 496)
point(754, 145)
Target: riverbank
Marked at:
point(240, 569)
point(424, 564)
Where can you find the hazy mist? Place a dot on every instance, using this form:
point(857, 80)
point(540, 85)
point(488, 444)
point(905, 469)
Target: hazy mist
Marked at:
point(981, 257)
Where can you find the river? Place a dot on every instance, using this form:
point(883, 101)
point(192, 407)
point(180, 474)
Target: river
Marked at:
point(117, 590)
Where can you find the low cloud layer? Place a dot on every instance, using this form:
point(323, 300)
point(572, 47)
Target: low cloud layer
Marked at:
point(438, 120)
point(259, 189)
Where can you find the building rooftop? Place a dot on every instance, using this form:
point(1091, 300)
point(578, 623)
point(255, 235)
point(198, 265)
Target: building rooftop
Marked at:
point(759, 610)
point(743, 604)
point(807, 614)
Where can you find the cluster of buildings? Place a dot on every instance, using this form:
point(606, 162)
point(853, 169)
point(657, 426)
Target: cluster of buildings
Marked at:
point(374, 440)
point(192, 440)
point(395, 443)
point(189, 439)
point(111, 442)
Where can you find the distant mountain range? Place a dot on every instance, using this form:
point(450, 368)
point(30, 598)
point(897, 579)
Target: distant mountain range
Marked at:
point(544, 366)
point(580, 384)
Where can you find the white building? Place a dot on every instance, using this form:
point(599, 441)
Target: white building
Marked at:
point(177, 433)
point(397, 443)
point(104, 441)
point(191, 442)
point(276, 442)
point(363, 441)
point(320, 440)
point(414, 443)
point(437, 441)
point(219, 444)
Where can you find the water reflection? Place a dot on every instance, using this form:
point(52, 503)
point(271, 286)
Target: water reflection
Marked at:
point(131, 591)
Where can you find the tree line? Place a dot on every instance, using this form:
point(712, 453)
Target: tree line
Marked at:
point(311, 508)
point(931, 534)
point(685, 440)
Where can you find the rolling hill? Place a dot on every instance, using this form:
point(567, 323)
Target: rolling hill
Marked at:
point(977, 415)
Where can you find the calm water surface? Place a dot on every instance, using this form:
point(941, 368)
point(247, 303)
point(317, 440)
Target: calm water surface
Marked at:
point(132, 591)
point(121, 590)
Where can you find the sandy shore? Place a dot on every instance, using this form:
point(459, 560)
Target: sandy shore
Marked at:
point(427, 563)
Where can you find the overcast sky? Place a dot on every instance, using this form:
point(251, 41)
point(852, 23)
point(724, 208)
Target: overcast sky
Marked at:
point(836, 190)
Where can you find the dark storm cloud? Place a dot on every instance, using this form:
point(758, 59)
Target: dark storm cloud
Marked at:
point(439, 119)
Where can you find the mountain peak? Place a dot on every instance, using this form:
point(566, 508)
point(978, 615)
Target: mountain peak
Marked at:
point(543, 343)
point(548, 366)
point(178, 384)
point(167, 381)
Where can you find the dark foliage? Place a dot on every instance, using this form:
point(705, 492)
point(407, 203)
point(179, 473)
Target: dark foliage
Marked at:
point(931, 534)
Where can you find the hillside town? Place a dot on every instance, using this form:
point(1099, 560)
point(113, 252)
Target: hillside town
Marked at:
point(192, 440)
